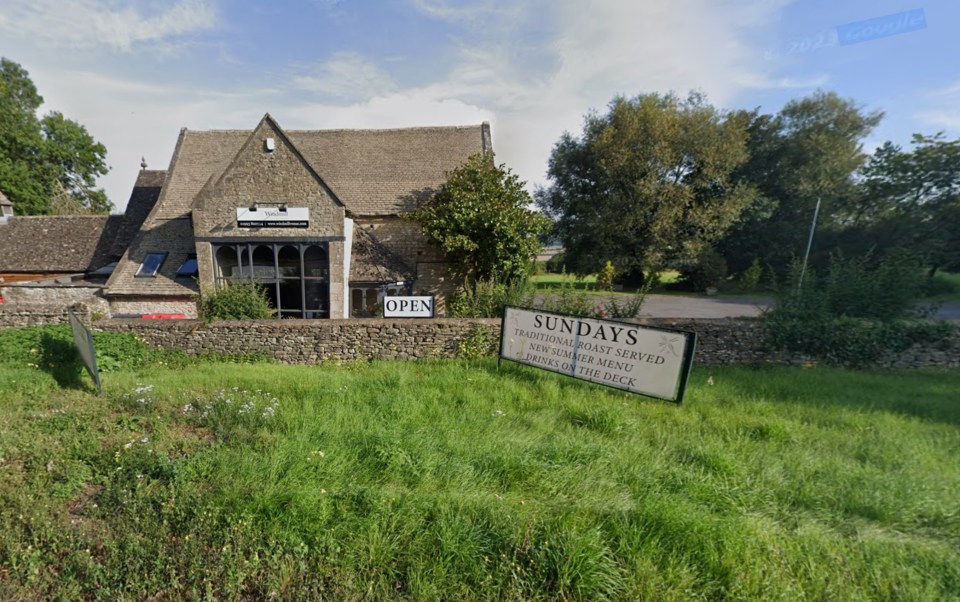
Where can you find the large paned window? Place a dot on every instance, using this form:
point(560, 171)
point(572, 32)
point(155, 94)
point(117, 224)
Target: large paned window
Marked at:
point(295, 275)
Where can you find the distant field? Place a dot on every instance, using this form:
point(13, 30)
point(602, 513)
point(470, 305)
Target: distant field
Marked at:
point(546, 282)
point(447, 480)
point(946, 285)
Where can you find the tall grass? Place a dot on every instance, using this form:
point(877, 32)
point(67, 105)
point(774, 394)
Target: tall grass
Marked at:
point(449, 480)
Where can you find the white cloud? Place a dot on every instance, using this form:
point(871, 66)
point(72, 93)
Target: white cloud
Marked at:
point(464, 12)
point(531, 88)
point(91, 23)
point(600, 49)
point(346, 75)
point(942, 109)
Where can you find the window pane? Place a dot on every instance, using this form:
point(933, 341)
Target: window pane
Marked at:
point(263, 268)
point(151, 264)
point(315, 263)
point(290, 295)
point(227, 262)
point(188, 267)
point(318, 295)
point(289, 260)
point(356, 302)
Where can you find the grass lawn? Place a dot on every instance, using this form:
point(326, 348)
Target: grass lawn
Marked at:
point(554, 282)
point(447, 480)
point(950, 282)
point(947, 283)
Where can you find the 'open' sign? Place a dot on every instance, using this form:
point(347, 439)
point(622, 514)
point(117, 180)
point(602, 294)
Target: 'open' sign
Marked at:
point(408, 307)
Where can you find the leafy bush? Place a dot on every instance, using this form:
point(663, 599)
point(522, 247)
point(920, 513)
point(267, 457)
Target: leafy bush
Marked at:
point(622, 307)
point(568, 300)
point(845, 341)
point(750, 278)
point(478, 343)
point(238, 300)
point(485, 298)
point(555, 265)
point(605, 277)
point(863, 287)
point(708, 270)
point(856, 315)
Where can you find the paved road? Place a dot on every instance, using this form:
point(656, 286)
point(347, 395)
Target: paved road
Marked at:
point(670, 306)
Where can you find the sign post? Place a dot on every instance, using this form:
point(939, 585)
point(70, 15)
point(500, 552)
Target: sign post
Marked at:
point(652, 361)
point(83, 339)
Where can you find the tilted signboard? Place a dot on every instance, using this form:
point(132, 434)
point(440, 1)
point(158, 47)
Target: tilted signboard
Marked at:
point(83, 339)
point(408, 307)
point(641, 359)
point(273, 217)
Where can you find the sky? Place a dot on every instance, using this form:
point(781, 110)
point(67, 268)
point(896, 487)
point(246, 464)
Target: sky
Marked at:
point(135, 72)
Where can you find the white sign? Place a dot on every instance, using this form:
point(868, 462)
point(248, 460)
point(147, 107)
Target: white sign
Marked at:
point(641, 359)
point(273, 217)
point(408, 307)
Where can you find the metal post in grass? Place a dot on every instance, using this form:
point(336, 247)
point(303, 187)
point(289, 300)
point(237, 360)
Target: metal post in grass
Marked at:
point(806, 256)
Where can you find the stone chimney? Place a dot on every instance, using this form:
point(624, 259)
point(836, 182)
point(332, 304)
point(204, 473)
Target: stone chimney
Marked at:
point(485, 140)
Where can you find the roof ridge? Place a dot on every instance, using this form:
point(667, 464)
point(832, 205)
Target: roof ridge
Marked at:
point(400, 129)
point(333, 130)
point(97, 216)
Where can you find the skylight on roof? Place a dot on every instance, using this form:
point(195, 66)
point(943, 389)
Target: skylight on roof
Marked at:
point(188, 267)
point(151, 264)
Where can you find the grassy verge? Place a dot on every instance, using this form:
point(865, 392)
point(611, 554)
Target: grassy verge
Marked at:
point(448, 480)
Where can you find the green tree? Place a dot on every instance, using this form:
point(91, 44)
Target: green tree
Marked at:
point(911, 199)
point(479, 217)
point(40, 158)
point(646, 183)
point(810, 150)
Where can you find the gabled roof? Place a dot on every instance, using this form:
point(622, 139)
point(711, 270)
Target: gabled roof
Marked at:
point(4, 201)
point(371, 261)
point(372, 172)
point(57, 244)
point(266, 123)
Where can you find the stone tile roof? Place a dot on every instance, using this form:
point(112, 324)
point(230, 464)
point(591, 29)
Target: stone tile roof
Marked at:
point(371, 261)
point(146, 191)
point(57, 244)
point(171, 236)
point(373, 172)
point(385, 172)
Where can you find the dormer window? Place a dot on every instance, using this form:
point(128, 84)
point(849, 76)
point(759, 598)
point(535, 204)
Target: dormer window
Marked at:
point(151, 265)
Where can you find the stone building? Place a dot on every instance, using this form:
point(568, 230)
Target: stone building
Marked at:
point(315, 216)
point(59, 260)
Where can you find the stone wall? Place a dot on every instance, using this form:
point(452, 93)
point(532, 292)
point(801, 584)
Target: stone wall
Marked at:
point(313, 341)
point(18, 316)
point(47, 294)
point(720, 342)
point(135, 307)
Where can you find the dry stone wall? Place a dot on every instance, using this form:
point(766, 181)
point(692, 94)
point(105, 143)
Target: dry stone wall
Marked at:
point(720, 341)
